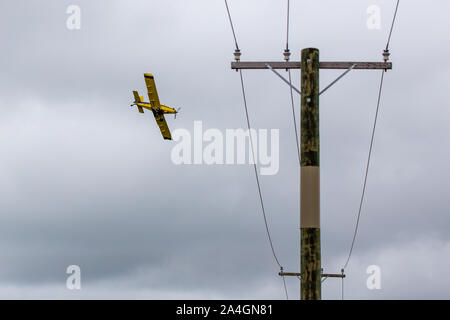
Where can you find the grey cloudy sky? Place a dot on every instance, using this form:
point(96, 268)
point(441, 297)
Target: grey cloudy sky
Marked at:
point(86, 180)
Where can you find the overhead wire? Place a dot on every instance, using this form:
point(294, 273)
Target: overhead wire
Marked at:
point(297, 142)
point(254, 159)
point(291, 87)
point(291, 91)
point(367, 169)
point(256, 172)
point(231, 24)
point(258, 182)
point(287, 54)
point(287, 27)
point(392, 25)
point(380, 90)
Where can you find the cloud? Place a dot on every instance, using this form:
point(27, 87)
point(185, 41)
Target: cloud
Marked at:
point(87, 180)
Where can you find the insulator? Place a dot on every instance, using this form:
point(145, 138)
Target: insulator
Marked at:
point(237, 55)
point(386, 55)
point(286, 54)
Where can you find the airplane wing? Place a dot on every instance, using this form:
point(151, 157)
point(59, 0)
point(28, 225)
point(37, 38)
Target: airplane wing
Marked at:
point(151, 88)
point(162, 124)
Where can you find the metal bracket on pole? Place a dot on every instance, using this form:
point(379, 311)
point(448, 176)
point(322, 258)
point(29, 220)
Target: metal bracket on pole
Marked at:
point(338, 78)
point(282, 78)
point(326, 88)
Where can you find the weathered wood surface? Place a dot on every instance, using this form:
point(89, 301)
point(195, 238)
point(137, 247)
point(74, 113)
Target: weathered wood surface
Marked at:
point(311, 279)
point(310, 256)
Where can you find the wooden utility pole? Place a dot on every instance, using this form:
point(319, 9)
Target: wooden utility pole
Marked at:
point(310, 258)
point(311, 272)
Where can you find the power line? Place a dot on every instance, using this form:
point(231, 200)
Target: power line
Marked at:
point(285, 288)
point(392, 25)
point(297, 143)
point(370, 147)
point(367, 169)
point(258, 182)
point(256, 171)
point(291, 88)
point(253, 155)
point(287, 27)
point(231, 24)
point(286, 57)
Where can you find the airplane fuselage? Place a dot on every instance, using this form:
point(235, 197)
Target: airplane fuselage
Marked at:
point(161, 109)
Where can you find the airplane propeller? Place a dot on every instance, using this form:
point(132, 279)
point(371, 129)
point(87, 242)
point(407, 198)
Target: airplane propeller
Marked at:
point(177, 110)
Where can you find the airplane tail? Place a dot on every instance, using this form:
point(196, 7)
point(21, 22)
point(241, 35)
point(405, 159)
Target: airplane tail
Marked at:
point(137, 98)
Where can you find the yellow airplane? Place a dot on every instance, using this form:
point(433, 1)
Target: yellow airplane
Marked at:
point(157, 108)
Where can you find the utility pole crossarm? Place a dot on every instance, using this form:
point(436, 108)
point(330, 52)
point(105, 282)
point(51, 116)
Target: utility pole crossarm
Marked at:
point(324, 275)
point(322, 65)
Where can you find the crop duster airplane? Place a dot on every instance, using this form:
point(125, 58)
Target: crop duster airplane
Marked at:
point(154, 106)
